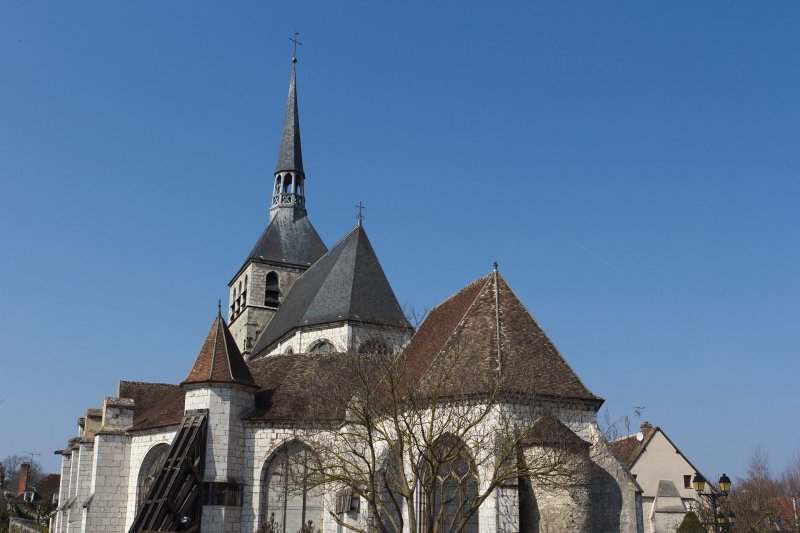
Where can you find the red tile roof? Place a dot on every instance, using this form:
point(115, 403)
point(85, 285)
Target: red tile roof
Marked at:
point(483, 340)
point(220, 360)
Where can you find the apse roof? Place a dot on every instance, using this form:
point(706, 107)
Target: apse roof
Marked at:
point(483, 340)
point(347, 283)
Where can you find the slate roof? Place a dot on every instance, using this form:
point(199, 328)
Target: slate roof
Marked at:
point(220, 360)
point(290, 154)
point(483, 340)
point(347, 283)
point(289, 238)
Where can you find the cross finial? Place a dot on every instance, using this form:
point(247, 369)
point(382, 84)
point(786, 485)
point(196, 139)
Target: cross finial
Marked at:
point(296, 42)
point(219, 307)
point(494, 266)
point(360, 208)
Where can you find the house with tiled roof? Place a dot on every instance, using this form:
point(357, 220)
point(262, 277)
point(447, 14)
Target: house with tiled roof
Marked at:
point(665, 474)
point(280, 378)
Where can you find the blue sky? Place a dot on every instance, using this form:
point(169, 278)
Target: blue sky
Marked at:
point(632, 166)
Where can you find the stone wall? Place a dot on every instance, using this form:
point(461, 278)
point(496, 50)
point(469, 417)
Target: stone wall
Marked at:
point(140, 444)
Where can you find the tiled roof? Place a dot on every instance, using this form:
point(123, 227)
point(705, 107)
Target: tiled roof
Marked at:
point(347, 283)
point(144, 395)
point(627, 448)
point(483, 340)
point(302, 387)
point(167, 411)
point(220, 360)
point(548, 430)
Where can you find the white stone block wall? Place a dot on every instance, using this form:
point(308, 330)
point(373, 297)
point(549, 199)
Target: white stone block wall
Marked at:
point(83, 484)
point(140, 444)
point(59, 525)
point(344, 336)
point(107, 511)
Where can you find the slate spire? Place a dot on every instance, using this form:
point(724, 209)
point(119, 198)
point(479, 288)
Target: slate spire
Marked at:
point(289, 192)
point(290, 154)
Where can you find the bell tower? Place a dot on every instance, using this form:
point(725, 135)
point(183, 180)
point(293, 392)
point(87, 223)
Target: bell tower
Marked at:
point(288, 246)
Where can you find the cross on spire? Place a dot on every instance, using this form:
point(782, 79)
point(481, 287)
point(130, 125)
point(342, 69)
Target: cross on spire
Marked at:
point(360, 206)
point(296, 42)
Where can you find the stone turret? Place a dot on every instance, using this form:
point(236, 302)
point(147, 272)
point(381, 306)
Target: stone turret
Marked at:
point(221, 385)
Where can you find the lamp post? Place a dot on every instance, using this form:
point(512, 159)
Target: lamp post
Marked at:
point(721, 521)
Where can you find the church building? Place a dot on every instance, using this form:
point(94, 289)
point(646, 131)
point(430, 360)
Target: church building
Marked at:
point(274, 384)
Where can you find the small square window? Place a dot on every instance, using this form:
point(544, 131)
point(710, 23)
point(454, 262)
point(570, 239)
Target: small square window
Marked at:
point(687, 482)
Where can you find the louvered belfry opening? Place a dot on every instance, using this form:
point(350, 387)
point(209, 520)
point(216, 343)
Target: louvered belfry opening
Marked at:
point(174, 502)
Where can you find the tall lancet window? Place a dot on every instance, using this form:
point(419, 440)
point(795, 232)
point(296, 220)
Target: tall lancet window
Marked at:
point(449, 486)
point(148, 472)
point(288, 500)
point(272, 290)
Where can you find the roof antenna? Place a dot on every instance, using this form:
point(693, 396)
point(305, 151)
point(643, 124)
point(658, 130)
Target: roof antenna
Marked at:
point(360, 216)
point(296, 42)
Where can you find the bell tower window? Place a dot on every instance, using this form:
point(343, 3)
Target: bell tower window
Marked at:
point(272, 291)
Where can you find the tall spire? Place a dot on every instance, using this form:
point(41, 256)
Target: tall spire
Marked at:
point(290, 155)
point(289, 191)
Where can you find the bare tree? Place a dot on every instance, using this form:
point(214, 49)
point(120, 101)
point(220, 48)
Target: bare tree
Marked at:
point(422, 455)
point(762, 501)
point(11, 468)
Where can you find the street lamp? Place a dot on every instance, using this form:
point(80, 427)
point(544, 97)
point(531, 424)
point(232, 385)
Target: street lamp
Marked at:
point(721, 522)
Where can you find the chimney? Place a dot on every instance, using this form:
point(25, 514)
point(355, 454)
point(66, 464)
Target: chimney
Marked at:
point(24, 470)
point(647, 427)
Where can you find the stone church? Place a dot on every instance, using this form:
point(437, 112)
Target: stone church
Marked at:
point(215, 452)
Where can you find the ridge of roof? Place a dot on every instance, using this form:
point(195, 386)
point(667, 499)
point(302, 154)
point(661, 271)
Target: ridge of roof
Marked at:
point(345, 284)
point(220, 360)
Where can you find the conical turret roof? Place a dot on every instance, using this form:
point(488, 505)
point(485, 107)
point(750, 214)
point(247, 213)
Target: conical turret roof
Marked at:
point(347, 283)
point(290, 154)
point(220, 360)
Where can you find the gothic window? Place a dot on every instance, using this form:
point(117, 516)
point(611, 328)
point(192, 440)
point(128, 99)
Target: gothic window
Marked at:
point(148, 472)
point(287, 183)
point(449, 488)
point(288, 499)
point(389, 496)
point(272, 290)
point(374, 345)
point(322, 346)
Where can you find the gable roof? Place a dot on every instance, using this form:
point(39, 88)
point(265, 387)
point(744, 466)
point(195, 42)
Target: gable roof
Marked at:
point(347, 283)
point(486, 341)
point(220, 360)
point(289, 238)
point(630, 449)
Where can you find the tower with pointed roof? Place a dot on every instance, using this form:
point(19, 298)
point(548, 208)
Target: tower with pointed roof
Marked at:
point(287, 247)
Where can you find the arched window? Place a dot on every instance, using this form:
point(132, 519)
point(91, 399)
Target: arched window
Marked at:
point(322, 346)
point(287, 183)
point(148, 472)
point(374, 345)
point(449, 488)
point(288, 497)
point(272, 290)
